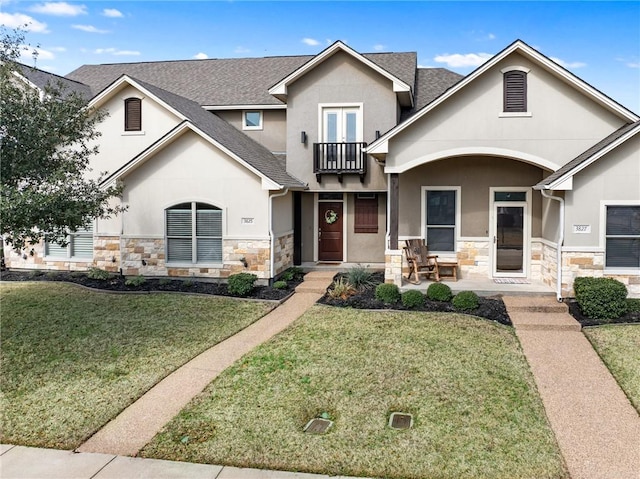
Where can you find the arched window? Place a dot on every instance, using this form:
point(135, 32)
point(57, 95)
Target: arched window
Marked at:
point(515, 91)
point(194, 233)
point(133, 114)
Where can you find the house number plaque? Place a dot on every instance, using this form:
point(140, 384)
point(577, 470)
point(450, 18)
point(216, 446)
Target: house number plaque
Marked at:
point(246, 221)
point(581, 229)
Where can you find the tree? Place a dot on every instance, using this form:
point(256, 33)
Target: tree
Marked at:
point(47, 138)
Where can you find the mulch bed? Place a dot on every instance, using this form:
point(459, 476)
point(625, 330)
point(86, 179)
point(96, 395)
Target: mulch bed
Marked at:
point(491, 308)
point(117, 284)
point(576, 312)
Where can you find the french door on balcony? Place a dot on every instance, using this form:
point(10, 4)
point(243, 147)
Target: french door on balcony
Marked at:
point(341, 130)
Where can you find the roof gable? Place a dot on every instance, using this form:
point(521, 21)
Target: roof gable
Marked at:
point(400, 87)
point(562, 179)
point(214, 129)
point(380, 146)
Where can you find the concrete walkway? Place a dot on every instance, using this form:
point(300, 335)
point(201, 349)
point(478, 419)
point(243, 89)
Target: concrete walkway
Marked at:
point(596, 427)
point(19, 462)
point(134, 427)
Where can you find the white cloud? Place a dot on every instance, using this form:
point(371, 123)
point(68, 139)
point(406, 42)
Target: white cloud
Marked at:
point(457, 60)
point(491, 36)
point(311, 42)
point(89, 29)
point(20, 20)
point(112, 12)
point(60, 9)
point(58, 49)
point(379, 47)
point(116, 52)
point(568, 64)
point(241, 50)
point(201, 56)
point(633, 64)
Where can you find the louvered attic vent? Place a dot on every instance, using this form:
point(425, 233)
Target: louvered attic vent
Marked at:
point(515, 91)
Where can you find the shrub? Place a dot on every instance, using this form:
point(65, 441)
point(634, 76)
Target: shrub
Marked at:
point(188, 283)
point(280, 285)
point(465, 301)
point(360, 277)
point(439, 292)
point(164, 281)
point(287, 276)
point(340, 289)
point(387, 293)
point(135, 281)
point(601, 298)
point(633, 305)
point(99, 274)
point(241, 284)
point(412, 299)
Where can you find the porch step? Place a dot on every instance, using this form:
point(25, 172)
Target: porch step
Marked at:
point(534, 304)
point(543, 321)
point(320, 275)
point(316, 282)
point(313, 287)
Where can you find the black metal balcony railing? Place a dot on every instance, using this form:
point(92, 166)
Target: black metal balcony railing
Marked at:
point(339, 159)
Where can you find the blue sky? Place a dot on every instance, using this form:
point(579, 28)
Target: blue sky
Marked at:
point(597, 41)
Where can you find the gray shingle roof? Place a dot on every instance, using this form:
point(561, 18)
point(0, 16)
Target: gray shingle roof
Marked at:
point(227, 135)
point(237, 81)
point(433, 82)
point(42, 79)
point(578, 160)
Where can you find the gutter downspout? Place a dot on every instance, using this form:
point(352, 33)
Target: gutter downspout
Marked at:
point(560, 242)
point(387, 236)
point(272, 235)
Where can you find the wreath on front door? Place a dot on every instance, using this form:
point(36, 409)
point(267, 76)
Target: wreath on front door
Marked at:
point(330, 217)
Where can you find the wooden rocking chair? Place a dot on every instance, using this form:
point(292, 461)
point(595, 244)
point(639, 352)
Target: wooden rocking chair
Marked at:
point(420, 261)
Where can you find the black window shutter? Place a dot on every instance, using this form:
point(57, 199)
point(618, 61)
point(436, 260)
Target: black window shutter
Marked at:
point(515, 91)
point(133, 114)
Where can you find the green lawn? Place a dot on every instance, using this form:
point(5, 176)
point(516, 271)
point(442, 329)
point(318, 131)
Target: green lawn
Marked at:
point(619, 348)
point(72, 359)
point(476, 411)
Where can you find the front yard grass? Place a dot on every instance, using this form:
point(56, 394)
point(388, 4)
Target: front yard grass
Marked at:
point(465, 380)
point(72, 359)
point(619, 348)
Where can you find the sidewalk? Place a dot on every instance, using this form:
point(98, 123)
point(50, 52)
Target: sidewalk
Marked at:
point(596, 427)
point(19, 462)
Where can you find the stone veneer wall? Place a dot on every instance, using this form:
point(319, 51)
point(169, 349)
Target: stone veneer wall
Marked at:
point(152, 252)
point(283, 255)
point(580, 263)
point(32, 257)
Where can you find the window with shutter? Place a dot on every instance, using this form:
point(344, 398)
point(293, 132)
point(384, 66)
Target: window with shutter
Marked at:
point(133, 114)
point(515, 91)
point(366, 214)
point(622, 249)
point(80, 245)
point(194, 233)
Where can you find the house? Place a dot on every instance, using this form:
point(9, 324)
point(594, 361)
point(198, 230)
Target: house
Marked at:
point(518, 170)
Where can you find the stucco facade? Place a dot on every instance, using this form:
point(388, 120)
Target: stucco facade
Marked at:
point(523, 194)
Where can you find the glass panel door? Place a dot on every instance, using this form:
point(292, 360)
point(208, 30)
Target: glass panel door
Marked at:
point(509, 240)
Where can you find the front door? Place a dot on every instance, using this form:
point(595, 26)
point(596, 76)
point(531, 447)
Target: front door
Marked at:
point(509, 239)
point(330, 231)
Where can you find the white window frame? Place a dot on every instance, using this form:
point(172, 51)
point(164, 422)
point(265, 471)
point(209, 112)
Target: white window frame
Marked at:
point(322, 107)
point(70, 246)
point(252, 127)
point(458, 217)
point(194, 237)
point(603, 234)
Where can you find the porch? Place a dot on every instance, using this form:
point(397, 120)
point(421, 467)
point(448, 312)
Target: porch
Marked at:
point(481, 286)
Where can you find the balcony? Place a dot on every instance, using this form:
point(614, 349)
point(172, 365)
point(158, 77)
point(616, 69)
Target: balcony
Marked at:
point(339, 159)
